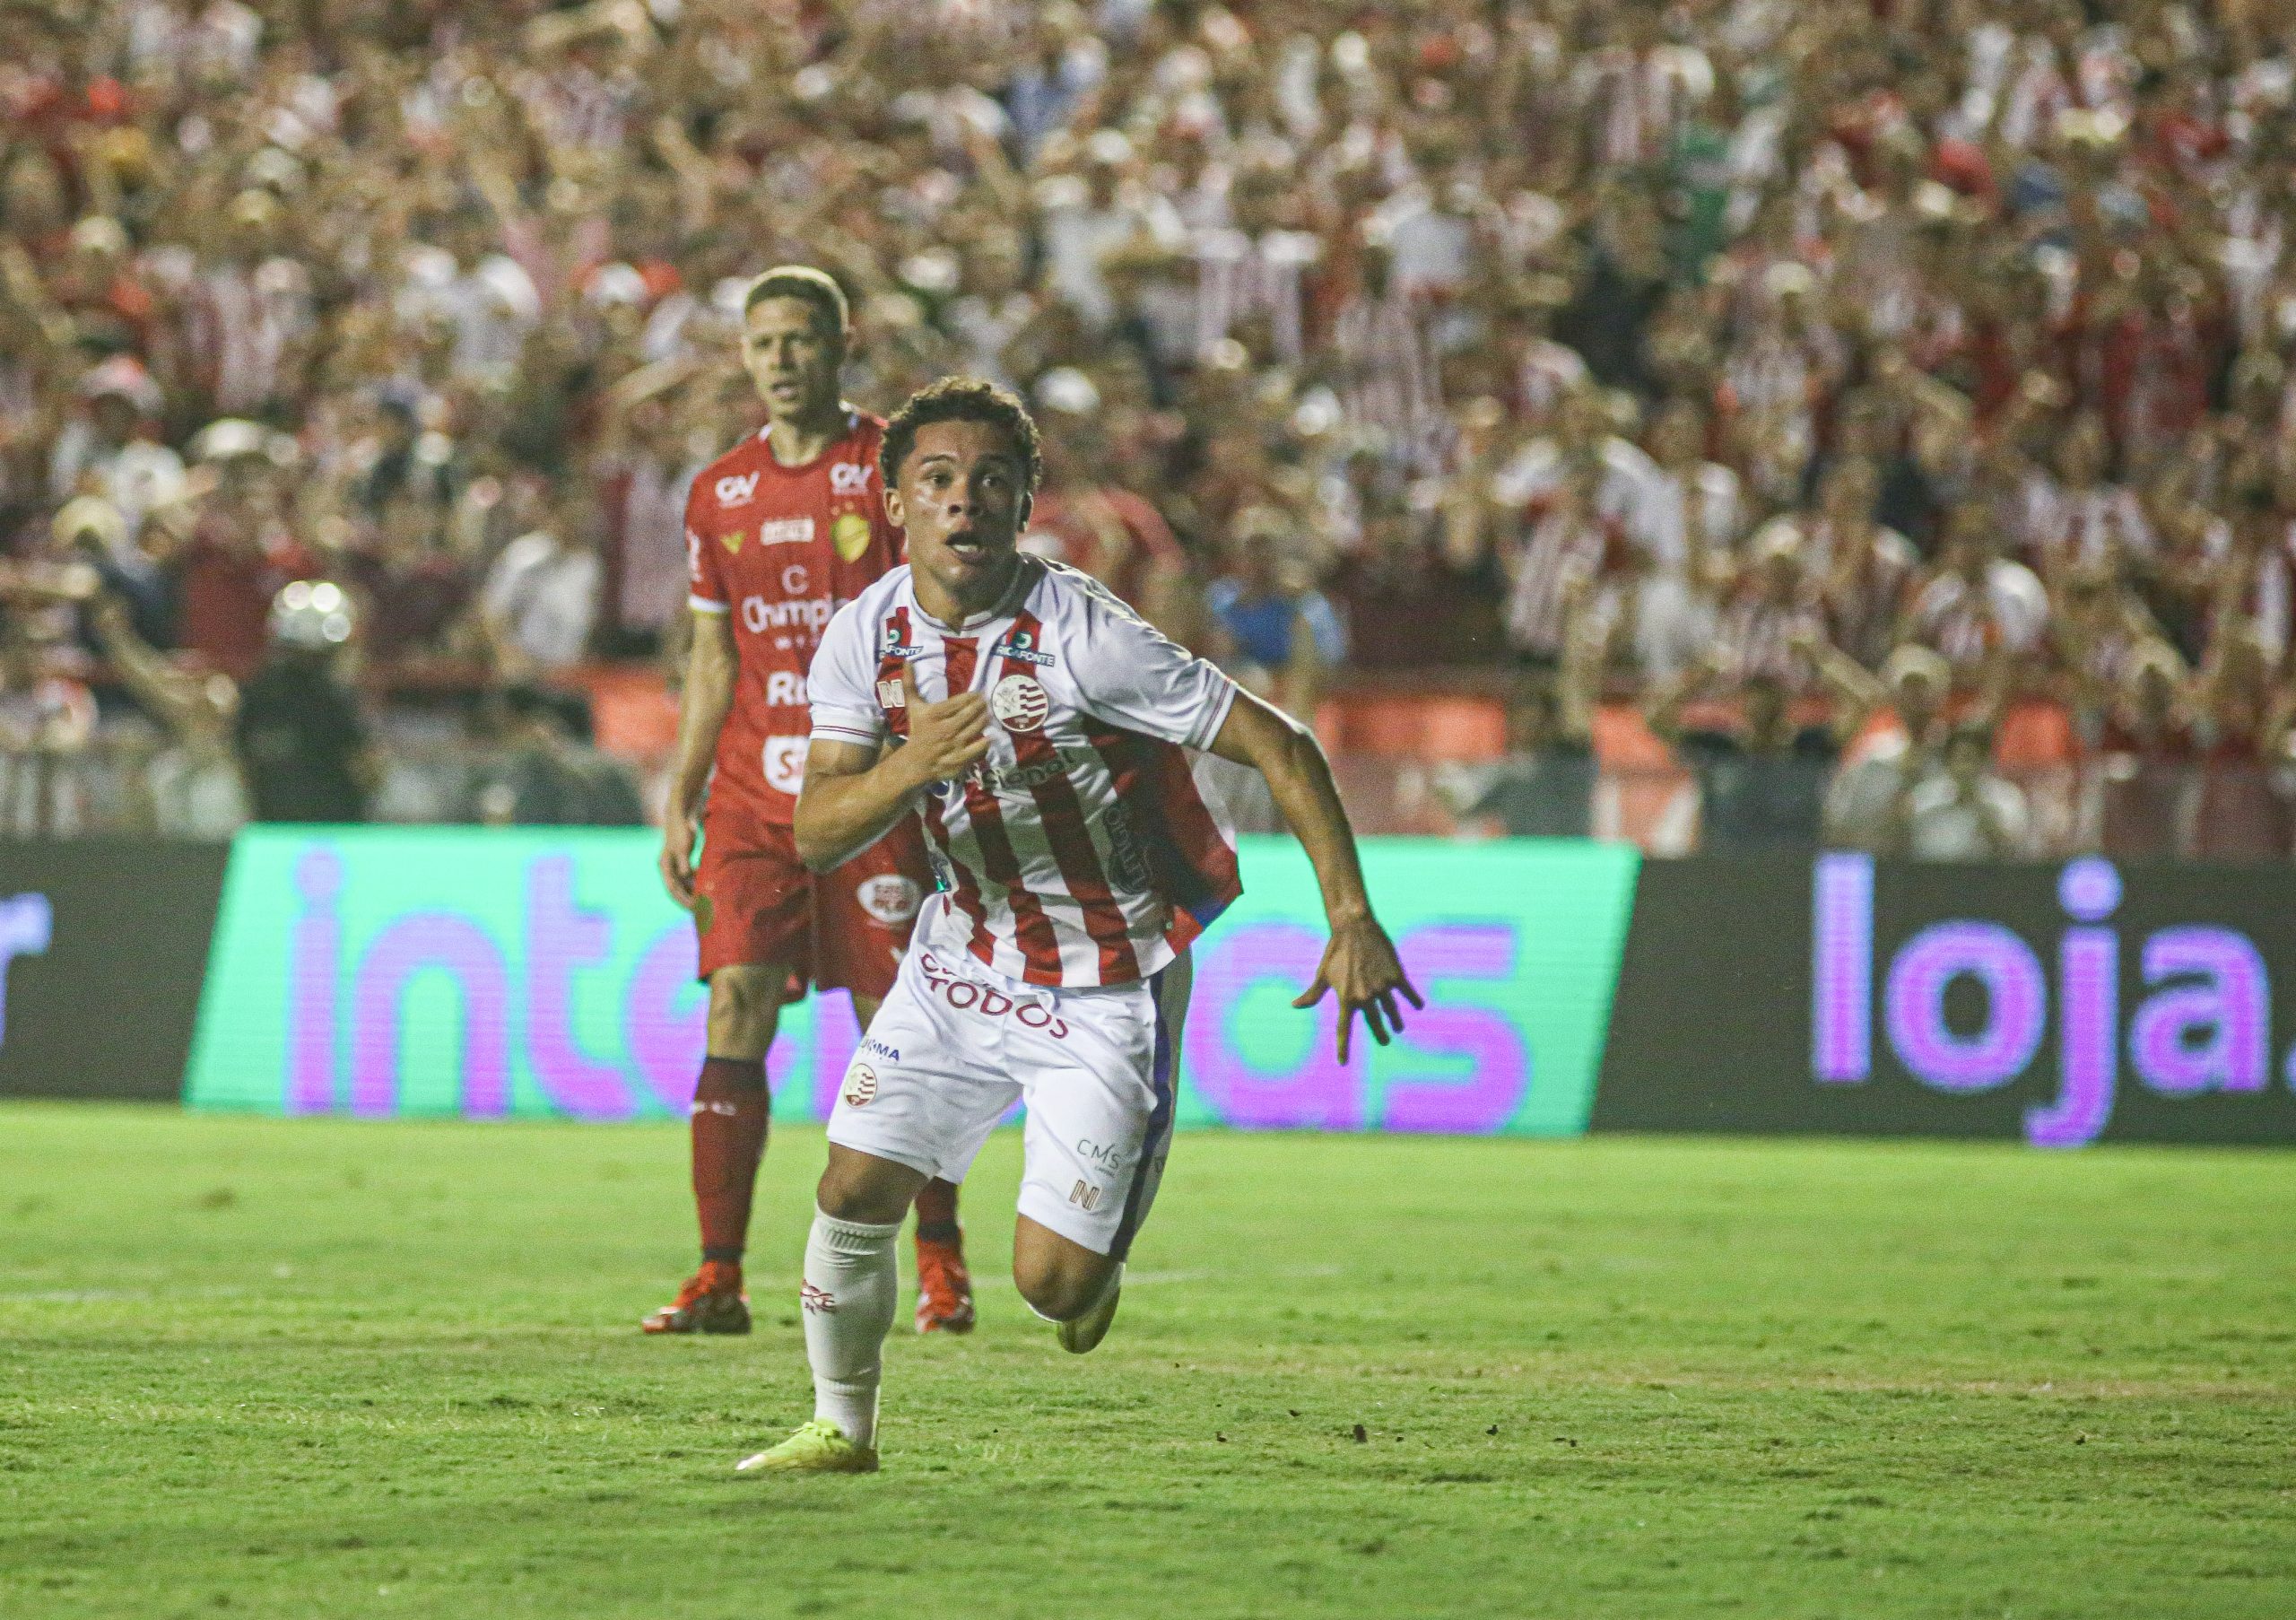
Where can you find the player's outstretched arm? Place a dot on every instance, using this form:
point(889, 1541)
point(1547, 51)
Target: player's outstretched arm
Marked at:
point(710, 669)
point(852, 796)
point(1360, 962)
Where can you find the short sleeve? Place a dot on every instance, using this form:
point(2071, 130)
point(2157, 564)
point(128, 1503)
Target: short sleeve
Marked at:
point(842, 684)
point(1131, 675)
point(705, 589)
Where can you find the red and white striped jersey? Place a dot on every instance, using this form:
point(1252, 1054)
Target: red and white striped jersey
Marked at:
point(1081, 851)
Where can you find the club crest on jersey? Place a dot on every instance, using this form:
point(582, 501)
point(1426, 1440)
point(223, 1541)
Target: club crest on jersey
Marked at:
point(1021, 647)
point(849, 535)
point(890, 898)
point(1019, 703)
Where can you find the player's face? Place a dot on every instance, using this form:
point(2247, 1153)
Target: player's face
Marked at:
point(961, 500)
point(793, 357)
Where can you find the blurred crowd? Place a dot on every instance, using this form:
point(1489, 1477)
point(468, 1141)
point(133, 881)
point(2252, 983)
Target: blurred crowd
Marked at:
point(1833, 377)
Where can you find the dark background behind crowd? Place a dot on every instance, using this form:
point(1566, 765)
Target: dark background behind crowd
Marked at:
point(1731, 422)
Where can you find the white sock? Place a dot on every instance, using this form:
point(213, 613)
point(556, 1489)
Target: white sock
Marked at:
point(852, 1284)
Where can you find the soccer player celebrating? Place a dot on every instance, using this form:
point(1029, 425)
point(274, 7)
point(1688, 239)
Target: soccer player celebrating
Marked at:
point(1040, 726)
point(780, 530)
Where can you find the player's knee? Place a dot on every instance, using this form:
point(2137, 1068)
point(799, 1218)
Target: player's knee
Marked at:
point(861, 1189)
point(1058, 1291)
point(743, 1005)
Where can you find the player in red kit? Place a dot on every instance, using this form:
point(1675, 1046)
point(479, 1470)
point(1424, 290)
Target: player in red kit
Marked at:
point(781, 531)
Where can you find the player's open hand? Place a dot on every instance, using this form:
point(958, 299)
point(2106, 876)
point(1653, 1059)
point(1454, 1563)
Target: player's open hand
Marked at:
point(946, 739)
point(678, 833)
point(1361, 966)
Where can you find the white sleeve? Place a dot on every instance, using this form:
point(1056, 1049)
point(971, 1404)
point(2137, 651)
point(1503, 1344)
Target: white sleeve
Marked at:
point(842, 685)
point(1132, 675)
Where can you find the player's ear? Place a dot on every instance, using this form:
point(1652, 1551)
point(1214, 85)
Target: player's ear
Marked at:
point(896, 512)
point(1028, 504)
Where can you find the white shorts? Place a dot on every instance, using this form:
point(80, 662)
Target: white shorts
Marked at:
point(956, 1045)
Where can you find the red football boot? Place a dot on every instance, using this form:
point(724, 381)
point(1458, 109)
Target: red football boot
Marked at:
point(711, 1301)
point(943, 1287)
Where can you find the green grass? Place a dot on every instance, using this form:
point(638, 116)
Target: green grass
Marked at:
point(267, 1368)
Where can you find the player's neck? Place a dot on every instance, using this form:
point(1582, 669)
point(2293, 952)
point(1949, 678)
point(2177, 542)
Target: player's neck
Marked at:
point(795, 440)
point(955, 611)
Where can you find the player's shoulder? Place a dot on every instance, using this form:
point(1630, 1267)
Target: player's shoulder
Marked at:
point(743, 455)
point(1068, 595)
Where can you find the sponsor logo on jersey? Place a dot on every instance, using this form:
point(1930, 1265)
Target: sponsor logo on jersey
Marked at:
point(785, 763)
point(1020, 779)
point(849, 478)
point(785, 531)
point(890, 898)
point(732, 539)
point(758, 616)
point(890, 694)
point(785, 687)
point(1019, 703)
point(968, 996)
point(849, 534)
point(793, 580)
point(737, 489)
point(1131, 862)
point(860, 1087)
point(1022, 646)
point(892, 648)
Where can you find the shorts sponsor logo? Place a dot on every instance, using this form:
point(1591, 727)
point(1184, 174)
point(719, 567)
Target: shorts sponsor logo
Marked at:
point(1019, 703)
point(816, 1299)
point(1021, 646)
point(969, 995)
point(1109, 1157)
point(849, 536)
point(890, 898)
point(737, 489)
point(860, 1087)
point(785, 763)
point(1085, 1196)
point(850, 477)
point(875, 1048)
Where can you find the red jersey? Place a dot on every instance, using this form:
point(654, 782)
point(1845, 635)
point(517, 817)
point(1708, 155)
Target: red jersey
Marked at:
point(780, 549)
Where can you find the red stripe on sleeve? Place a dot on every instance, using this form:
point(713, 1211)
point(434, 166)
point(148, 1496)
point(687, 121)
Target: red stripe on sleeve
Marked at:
point(1063, 815)
point(1031, 929)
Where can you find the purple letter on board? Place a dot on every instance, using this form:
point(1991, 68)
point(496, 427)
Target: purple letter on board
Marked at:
point(562, 936)
point(666, 1041)
point(459, 946)
point(1317, 1093)
point(2015, 1007)
point(2231, 1008)
point(1499, 1071)
point(1842, 969)
point(317, 968)
point(2088, 1037)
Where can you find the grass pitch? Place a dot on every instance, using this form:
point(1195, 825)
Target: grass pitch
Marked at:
point(267, 1368)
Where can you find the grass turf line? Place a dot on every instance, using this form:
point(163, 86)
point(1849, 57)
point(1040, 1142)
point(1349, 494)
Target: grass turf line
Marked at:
point(294, 1368)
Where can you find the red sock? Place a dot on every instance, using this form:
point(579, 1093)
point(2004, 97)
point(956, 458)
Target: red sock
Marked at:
point(936, 1210)
point(730, 1104)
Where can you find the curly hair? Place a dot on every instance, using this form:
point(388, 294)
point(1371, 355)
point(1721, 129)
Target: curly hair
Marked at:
point(962, 399)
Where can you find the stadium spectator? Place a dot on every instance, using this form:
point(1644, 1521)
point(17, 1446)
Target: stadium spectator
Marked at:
point(302, 741)
point(1545, 785)
point(1962, 811)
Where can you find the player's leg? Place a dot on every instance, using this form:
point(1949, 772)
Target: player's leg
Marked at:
point(863, 913)
point(751, 910)
point(1100, 1125)
point(727, 1140)
point(898, 1121)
